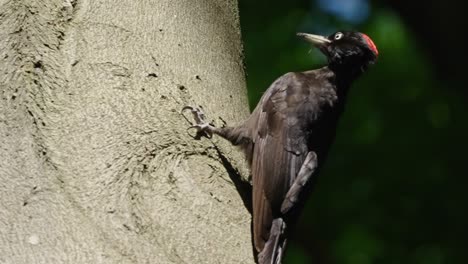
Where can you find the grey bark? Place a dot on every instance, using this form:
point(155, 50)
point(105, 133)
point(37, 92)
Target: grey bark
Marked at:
point(95, 162)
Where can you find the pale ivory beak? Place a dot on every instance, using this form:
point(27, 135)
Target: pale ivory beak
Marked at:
point(317, 40)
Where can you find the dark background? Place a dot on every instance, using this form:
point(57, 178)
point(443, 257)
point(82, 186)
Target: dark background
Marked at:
point(395, 186)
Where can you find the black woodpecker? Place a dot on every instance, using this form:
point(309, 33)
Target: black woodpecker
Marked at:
point(288, 135)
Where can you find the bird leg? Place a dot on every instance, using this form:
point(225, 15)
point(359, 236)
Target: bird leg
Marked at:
point(236, 135)
point(304, 175)
point(201, 125)
point(272, 252)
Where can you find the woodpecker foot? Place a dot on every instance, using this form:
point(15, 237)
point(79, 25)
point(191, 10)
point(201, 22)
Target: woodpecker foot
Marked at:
point(202, 127)
point(303, 177)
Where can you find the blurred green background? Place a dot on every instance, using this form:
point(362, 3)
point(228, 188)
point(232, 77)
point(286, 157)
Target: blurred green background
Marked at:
point(394, 188)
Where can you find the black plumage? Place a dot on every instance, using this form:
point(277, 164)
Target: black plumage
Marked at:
point(288, 135)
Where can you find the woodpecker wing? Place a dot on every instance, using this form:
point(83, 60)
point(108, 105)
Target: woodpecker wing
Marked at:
point(281, 120)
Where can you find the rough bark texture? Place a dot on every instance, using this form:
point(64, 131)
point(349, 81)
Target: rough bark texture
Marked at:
point(95, 162)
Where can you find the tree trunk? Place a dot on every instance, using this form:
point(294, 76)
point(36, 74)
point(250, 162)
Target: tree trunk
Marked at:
point(96, 165)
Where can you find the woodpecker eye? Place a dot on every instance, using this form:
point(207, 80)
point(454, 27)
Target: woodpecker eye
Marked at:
point(338, 35)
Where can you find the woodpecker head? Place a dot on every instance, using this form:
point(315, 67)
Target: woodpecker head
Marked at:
point(345, 49)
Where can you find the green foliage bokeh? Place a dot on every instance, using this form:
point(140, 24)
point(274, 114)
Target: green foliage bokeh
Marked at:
point(393, 187)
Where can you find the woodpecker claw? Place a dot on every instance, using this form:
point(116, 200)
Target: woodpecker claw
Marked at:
point(203, 128)
point(197, 112)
